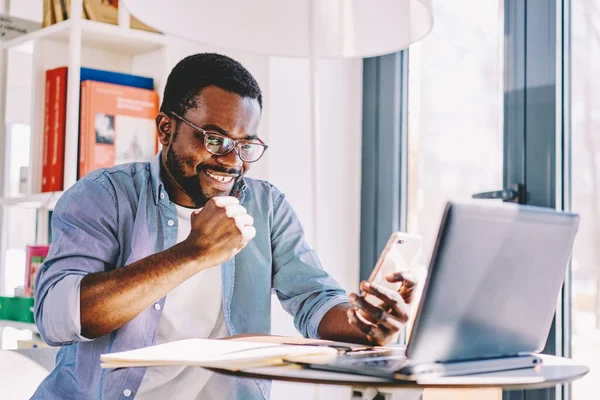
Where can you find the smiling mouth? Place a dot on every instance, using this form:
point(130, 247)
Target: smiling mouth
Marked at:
point(220, 178)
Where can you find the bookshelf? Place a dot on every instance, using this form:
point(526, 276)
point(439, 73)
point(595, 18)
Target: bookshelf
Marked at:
point(19, 325)
point(74, 43)
point(97, 35)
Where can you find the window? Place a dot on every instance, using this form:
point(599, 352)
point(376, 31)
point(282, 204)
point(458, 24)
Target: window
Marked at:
point(455, 112)
point(585, 116)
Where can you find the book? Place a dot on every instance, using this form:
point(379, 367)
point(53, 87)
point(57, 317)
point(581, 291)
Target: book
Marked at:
point(60, 10)
point(35, 257)
point(118, 78)
point(117, 125)
point(55, 114)
point(232, 355)
point(107, 11)
point(48, 16)
point(17, 309)
point(46, 139)
point(67, 8)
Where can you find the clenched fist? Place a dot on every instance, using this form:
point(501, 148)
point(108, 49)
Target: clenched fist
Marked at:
point(219, 230)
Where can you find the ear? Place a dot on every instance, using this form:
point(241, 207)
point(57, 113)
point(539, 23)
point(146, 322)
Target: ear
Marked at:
point(166, 128)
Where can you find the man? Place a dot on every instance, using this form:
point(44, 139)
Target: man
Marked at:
point(186, 246)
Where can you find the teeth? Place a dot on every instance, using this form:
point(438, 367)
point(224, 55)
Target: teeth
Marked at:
point(224, 179)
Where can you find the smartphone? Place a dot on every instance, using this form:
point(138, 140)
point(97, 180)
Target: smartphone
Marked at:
point(399, 254)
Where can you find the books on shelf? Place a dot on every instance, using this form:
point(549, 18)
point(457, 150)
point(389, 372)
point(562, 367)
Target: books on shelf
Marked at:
point(106, 11)
point(117, 125)
point(35, 257)
point(48, 14)
point(216, 353)
point(16, 308)
point(55, 114)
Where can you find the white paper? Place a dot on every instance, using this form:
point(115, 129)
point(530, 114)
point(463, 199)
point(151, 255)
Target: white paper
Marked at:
point(226, 354)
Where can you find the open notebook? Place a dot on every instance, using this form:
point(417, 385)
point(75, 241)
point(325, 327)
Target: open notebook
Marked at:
point(224, 354)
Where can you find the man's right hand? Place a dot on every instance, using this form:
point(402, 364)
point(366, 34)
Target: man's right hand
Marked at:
point(220, 230)
point(111, 299)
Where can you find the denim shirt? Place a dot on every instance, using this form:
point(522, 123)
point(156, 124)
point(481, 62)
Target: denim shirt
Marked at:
point(114, 217)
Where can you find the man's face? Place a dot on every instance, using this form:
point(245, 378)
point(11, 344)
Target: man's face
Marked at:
point(197, 175)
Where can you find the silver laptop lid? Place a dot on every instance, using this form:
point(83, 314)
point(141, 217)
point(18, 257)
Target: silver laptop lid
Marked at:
point(493, 282)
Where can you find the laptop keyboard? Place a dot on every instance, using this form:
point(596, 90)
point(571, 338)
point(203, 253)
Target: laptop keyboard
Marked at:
point(385, 363)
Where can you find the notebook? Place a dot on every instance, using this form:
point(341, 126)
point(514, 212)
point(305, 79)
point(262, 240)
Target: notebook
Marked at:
point(233, 354)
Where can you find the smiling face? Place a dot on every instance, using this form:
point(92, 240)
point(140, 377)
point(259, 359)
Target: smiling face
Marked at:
point(190, 173)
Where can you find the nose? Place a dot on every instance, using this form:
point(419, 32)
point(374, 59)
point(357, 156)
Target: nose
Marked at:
point(230, 160)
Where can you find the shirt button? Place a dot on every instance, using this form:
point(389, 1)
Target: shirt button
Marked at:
point(157, 307)
point(126, 392)
point(170, 222)
point(162, 195)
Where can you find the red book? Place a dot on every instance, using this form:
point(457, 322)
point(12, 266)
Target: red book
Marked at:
point(47, 124)
point(58, 105)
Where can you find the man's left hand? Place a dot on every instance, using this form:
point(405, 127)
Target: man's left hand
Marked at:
point(382, 323)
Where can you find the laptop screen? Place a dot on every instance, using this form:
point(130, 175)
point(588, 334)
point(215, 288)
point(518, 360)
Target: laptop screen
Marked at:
point(493, 281)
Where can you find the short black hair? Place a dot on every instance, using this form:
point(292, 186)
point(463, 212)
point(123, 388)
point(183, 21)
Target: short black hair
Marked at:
point(195, 72)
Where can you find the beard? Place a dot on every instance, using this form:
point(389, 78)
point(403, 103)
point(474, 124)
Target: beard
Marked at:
point(191, 184)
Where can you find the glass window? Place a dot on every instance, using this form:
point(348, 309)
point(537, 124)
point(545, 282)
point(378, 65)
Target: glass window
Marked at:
point(455, 111)
point(585, 115)
point(455, 127)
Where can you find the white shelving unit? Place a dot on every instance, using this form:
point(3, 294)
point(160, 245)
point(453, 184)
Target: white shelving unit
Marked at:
point(74, 43)
point(18, 325)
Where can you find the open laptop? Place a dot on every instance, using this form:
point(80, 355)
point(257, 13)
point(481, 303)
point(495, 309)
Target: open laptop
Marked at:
point(490, 295)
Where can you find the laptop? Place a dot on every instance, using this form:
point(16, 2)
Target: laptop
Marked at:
point(489, 298)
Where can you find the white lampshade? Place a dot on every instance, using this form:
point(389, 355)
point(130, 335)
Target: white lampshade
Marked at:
point(343, 28)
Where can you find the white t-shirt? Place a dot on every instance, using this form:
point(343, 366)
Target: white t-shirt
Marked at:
point(193, 309)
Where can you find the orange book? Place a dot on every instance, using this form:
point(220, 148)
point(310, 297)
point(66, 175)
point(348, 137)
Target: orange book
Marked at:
point(117, 125)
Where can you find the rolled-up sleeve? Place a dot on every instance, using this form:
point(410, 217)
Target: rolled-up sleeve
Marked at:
point(305, 290)
point(84, 232)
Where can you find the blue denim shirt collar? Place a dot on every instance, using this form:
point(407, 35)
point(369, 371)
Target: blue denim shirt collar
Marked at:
point(157, 183)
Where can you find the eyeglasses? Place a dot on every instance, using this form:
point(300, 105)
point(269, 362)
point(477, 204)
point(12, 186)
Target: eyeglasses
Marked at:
point(219, 145)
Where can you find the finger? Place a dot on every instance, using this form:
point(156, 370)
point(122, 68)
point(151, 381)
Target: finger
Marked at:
point(407, 294)
point(248, 233)
point(392, 300)
point(224, 201)
point(198, 210)
point(408, 280)
point(243, 220)
point(374, 314)
point(409, 283)
point(235, 210)
point(374, 333)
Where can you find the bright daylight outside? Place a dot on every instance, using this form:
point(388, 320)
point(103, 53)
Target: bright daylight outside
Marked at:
point(455, 119)
point(586, 190)
point(455, 140)
point(455, 112)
